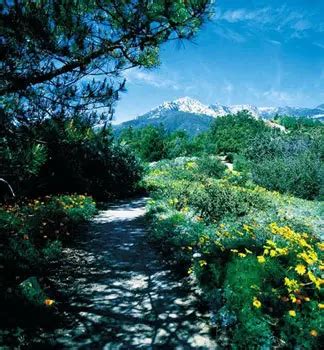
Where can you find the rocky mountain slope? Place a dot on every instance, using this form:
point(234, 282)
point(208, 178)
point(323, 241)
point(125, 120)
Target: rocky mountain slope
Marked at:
point(194, 117)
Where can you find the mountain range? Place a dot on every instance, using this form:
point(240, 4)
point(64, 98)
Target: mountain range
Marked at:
point(194, 117)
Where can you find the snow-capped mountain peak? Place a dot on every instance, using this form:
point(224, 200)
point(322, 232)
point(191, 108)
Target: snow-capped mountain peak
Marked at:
point(192, 106)
point(183, 104)
point(194, 117)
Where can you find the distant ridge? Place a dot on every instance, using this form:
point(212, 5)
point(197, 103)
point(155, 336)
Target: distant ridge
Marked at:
point(194, 117)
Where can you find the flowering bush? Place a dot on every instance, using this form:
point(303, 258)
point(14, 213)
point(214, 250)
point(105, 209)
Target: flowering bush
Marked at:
point(255, 254)
point(31, 233)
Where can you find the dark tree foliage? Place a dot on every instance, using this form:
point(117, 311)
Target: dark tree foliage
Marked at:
point(149, 143)
point(233, 133)
point(65, 57)
point(62, 62)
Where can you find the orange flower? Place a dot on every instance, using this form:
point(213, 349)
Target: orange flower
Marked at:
point(49, 302)
point(313, 333)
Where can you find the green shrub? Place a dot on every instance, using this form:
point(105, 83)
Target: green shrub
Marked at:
point(211, 167)
point(233, 133)
point(217, 200)
point(297, 175)
point(288, 163)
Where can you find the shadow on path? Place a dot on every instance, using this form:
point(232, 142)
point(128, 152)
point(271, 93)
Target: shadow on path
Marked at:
point(120, 295)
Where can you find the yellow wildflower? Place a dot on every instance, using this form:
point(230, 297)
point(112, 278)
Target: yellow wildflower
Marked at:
point(321, 306)
point(241, 255)
point(271, 243)
point(292, 313)
point(310, 257)
point(202, 263)
point(185, 209)
point(315, 280)
point(261, 259)
point(273, 253)
point(293, 298)
point(291, 284)
point(246, 227)
point(300, 269)
point(256, 303)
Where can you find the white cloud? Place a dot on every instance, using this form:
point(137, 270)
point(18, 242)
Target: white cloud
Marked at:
point(239, 15)
point(296, 24)
point(302, 25)
point(229, 34)
point(274, 42)
point(278, 96)
point(319, 45)
point(136, 76)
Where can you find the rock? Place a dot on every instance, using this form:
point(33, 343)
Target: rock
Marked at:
point(226, 317)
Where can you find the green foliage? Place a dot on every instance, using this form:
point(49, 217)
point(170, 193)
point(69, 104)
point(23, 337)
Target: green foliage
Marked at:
point(215, 201)
point(178, 144)
point(233, 133)
point(149, 143)
point(60, 44)
point(242, 285)
point(31, 233)
point(287, 163)
point(211, 167)
point(254, 254)
point(70, 156)
point(20, 161)
point(298, 124)
point(299, 175)
point(31, 290)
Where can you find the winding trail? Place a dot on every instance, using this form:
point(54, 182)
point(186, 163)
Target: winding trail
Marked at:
point(119, 293)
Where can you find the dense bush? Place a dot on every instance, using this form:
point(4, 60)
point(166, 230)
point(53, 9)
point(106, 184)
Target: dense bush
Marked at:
point(299, 175)
point(233, 133)
point(288, 164)
point(211, 167)
point(214, 201)
point(153, 143)
point(298, 124)
point(69, 156)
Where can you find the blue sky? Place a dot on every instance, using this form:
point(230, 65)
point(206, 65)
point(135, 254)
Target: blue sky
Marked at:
point(266, 53)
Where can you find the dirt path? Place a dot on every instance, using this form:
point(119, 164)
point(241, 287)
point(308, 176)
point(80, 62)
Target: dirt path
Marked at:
point(120, 295)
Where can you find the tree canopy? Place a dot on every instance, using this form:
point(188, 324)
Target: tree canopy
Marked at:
point(61, 58)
